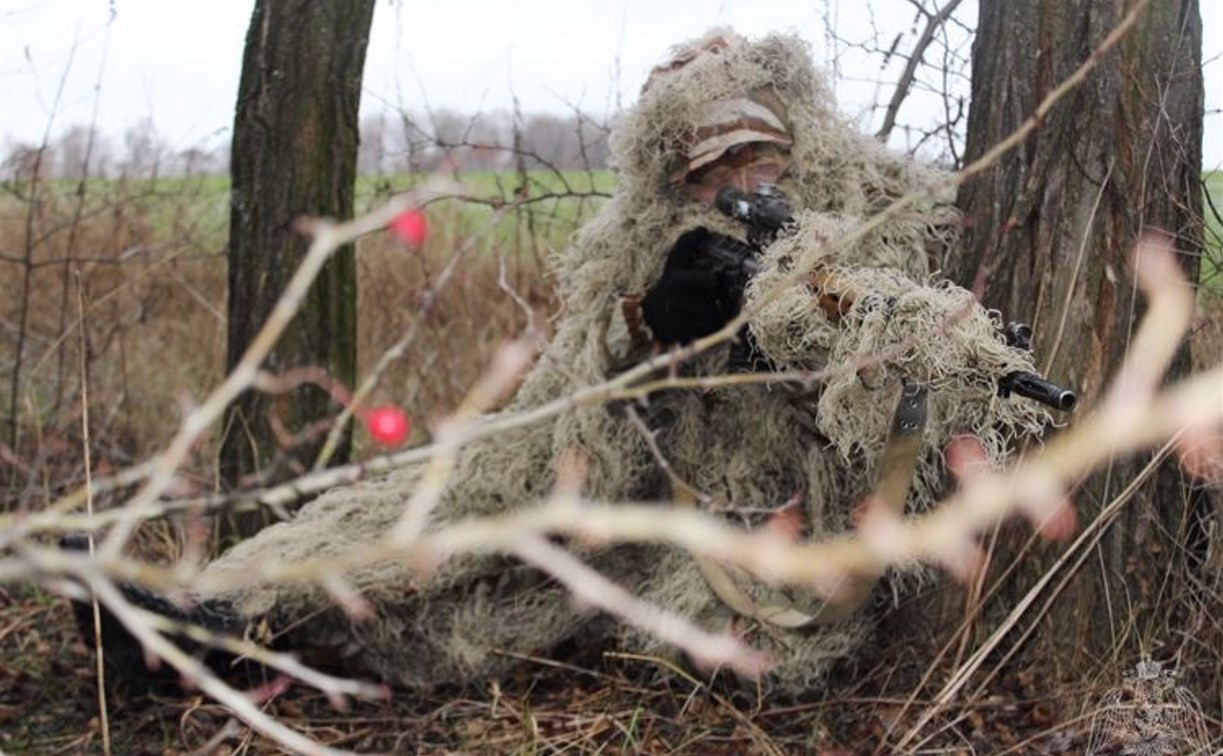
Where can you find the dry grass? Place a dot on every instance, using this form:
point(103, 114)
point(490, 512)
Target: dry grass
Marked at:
point(579, 705)
point(149, 257)
point(576, 703)
point(149, 264)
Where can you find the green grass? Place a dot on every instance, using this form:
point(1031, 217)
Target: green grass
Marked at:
point(1210, 276)
point(552, 206)
point(541, 214)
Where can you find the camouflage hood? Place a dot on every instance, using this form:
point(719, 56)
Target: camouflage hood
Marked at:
point(692, 107)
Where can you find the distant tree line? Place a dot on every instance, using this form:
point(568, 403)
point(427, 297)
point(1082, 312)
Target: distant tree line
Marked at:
point(493, 141)
point(81, 151)
point(390, 143)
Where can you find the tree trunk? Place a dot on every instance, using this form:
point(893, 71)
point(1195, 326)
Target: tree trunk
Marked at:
point(294, 154)
point(1049, 232)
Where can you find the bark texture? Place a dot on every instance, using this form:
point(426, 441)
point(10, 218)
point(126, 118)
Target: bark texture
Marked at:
point(294, 154)
point(1049, 232)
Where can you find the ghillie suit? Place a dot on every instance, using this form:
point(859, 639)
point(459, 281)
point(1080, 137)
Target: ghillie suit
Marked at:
point(747, 448)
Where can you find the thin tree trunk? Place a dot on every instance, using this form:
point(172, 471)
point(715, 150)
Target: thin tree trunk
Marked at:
point(294, 154)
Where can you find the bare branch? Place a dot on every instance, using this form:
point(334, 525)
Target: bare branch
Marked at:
point(588, 585)
point(934, 22)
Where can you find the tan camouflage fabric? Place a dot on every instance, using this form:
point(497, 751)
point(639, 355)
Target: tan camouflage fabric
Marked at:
point(747, 449)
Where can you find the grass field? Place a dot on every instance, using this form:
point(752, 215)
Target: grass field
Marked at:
point(1211, 276)
point(150, 254)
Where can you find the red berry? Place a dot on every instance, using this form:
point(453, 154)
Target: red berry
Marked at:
point(410, 227)
point(388, 425)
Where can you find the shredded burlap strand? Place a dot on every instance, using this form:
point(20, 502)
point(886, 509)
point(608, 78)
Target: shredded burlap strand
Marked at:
point(747, 448)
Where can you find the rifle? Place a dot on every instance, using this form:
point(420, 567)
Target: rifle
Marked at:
point(732, 263)
point(766, 213)
point(1031, 385)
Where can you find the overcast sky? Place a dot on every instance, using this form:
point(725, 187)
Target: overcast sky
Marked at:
point(177, 62)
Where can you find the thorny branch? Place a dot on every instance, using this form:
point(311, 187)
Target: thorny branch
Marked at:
point(400, 347)
point(59, 518)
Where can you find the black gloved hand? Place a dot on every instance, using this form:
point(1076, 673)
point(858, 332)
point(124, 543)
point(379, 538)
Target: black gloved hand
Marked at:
point(692, 298)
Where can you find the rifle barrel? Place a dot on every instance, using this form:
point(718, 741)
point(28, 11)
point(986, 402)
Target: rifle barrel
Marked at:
point(1033, 386)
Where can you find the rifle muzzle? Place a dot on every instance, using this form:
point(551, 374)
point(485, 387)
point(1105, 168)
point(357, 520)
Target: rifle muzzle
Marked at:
point(1032, 386)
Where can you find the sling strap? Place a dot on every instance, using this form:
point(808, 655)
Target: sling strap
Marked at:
point(891, 489)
